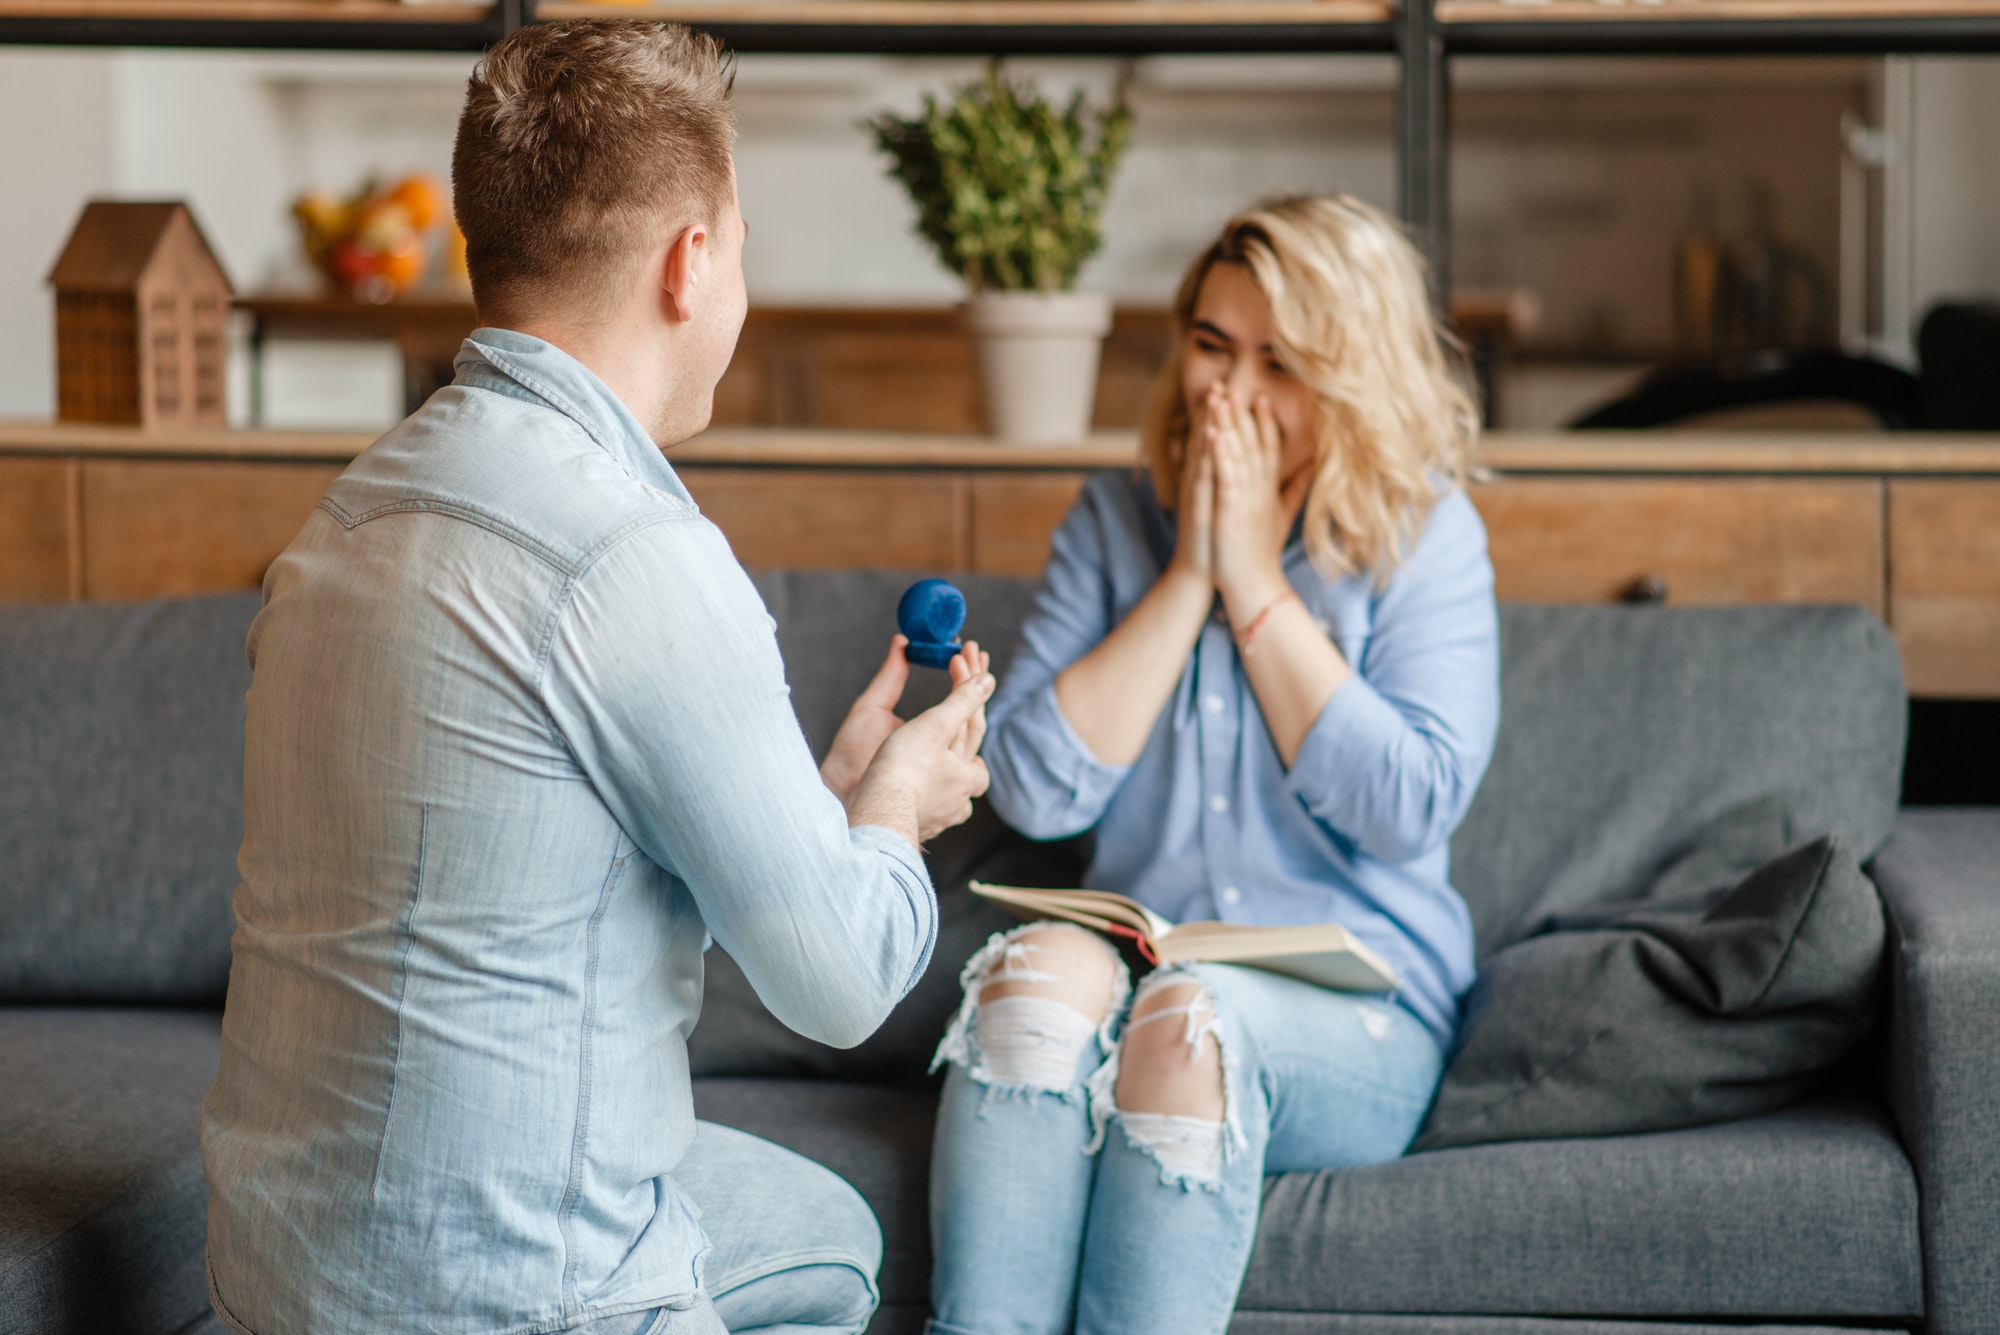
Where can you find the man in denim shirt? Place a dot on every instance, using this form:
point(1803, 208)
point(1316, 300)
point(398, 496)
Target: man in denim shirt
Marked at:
point(519, 742)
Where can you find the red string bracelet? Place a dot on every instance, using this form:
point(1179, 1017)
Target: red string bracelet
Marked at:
point(1249, 632)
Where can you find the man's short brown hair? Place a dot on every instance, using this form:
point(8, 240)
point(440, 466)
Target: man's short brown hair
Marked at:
point(581, 144)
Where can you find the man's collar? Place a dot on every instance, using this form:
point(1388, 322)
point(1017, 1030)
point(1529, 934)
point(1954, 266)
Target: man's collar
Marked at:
point(553, 377)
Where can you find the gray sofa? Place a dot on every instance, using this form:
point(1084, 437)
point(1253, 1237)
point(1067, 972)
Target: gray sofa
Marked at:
point(1873, 1203)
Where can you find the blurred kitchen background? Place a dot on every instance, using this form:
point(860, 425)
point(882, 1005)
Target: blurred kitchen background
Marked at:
point(1623, 212)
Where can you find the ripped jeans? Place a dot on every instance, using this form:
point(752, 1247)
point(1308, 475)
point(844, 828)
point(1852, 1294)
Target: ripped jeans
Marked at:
point(1052, 1209)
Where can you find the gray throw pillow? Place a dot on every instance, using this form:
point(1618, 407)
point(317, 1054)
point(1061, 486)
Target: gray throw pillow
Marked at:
point(1681, 1010)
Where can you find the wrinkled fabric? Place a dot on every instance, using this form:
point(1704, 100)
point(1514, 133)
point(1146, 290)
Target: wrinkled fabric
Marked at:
point(518, 742)
point(1209, 823)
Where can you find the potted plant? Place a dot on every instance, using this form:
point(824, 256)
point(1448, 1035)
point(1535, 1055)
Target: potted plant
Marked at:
point(1008, 189)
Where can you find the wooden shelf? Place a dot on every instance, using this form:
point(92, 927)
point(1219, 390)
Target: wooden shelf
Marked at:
point(249, 11)
point(1778, 454)
point(1580, 453)
point(1019, 26)
point(313, 24)
point(983, 13)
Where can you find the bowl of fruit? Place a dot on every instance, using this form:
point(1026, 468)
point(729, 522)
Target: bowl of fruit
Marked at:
point(378, 242)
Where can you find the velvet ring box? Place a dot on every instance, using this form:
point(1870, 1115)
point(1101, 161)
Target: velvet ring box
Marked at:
point(931, 613)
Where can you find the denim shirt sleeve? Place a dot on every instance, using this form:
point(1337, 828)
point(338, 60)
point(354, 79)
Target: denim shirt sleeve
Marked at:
point(664, 677)
point(1395, 758)
point(1045, 782)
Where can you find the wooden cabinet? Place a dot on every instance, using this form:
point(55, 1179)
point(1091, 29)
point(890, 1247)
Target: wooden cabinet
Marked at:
point(829, 517)
point(1908, 526)
point(1013, 516)
point(152, 527)
point(993, 523)
point(1944, 584)
point(38, 500)
point(1687, 541)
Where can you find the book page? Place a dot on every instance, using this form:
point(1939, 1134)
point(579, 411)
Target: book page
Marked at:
point(1091, 908)
point(1324, 953)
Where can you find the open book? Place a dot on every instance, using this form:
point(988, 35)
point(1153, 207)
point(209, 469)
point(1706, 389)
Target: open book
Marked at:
point(1323, 952)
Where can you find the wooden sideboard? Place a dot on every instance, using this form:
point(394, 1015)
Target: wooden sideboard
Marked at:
point(1908, 525)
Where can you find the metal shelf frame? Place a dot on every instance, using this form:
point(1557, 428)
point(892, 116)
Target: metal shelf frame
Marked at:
point(1935, 34)
point(1424, 45)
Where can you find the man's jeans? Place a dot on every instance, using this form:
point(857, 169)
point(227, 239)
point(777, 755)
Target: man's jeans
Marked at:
point(795, 1249)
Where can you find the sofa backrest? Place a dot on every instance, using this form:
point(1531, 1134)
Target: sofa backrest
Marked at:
point(1625, 730)
point(121, 798)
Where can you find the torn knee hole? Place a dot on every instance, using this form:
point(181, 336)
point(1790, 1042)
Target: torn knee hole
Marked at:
point(1171, 1091)
point(1170, 1059)
point(1059, 962)
point(1034, 999)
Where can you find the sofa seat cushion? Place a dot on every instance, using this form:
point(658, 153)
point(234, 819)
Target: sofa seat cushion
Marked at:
point(1808, 1212)
point(102, 1208)
point(878, 1137)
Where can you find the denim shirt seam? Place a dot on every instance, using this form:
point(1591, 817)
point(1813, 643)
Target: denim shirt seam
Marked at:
point(586, 1072)
point(559, 604)
point(461, 511)
point(409, 935)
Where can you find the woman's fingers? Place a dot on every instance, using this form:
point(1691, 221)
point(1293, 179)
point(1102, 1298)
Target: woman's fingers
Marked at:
point(1269, 438)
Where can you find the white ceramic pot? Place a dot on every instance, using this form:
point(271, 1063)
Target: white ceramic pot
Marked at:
point(1037, 356)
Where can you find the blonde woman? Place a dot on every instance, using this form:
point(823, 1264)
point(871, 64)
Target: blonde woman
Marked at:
point(1266, 676)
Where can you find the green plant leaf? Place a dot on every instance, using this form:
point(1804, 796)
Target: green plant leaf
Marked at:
point(1008, 188)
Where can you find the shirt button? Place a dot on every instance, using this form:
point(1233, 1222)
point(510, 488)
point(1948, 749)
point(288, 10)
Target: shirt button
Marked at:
point(1218, 804)
point(1212, 703)
point(1230, 894)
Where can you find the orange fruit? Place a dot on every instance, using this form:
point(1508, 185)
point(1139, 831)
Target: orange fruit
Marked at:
point(402, 265)
point(421, 199)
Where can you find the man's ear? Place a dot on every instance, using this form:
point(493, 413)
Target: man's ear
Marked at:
point(680, 272)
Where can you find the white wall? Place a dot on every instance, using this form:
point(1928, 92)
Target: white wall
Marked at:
point(1955, 186)
point(58, 152)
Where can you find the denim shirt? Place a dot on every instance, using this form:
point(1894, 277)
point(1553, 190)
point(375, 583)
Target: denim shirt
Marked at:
point(1209, 823)
point(518, 742)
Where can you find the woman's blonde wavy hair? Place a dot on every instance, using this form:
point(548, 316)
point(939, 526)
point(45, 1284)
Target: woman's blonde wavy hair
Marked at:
point(1396, 426)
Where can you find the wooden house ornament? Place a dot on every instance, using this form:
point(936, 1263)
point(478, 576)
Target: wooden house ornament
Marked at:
point(142, 308)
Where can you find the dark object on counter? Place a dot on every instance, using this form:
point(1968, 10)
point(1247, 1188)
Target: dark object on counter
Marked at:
point(1675, 393)
point(1959, 343)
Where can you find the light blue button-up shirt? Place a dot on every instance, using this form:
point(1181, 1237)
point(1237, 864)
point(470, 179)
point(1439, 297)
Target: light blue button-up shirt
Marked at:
point(1208, 823)
point(519, 739)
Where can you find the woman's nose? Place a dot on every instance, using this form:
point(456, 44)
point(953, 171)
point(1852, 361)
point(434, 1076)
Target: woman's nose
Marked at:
point(1243, 382)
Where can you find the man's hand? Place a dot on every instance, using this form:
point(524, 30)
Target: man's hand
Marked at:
point(869, 721)
point(925, 773)
point(872, 716)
